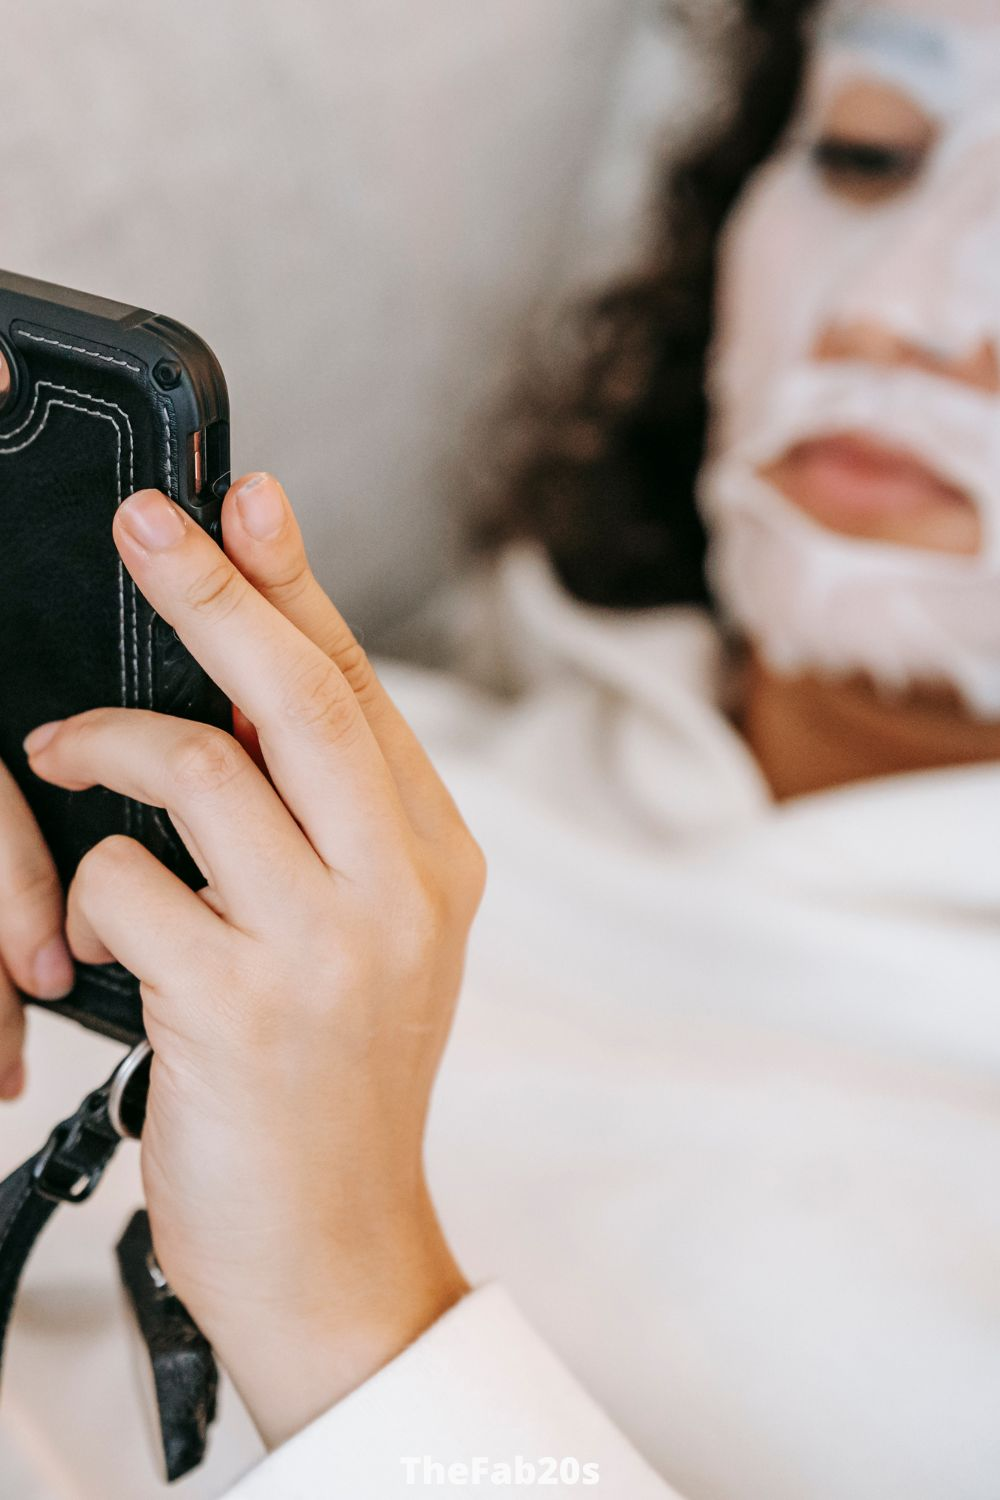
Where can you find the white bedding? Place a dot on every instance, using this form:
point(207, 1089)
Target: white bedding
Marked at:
point(722, 1106)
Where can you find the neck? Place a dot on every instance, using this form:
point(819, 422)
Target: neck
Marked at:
point(813, 733)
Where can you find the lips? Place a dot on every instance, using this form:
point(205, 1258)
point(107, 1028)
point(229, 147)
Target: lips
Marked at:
point(850, 477)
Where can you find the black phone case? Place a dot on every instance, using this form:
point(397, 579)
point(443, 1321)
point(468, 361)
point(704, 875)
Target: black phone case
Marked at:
point(107, 399)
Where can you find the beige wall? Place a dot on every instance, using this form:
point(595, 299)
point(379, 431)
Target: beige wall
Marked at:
point(357, 202)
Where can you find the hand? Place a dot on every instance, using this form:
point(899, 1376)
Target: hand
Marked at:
point(33, 952)
point(299, 1005)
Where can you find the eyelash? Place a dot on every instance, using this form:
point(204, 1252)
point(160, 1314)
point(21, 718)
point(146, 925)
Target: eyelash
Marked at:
point(865, 164)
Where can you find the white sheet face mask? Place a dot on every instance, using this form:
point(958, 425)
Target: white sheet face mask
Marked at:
point(798, 261)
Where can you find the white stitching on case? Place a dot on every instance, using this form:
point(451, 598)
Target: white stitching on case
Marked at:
point(137, 369)
point(170, 493)
point(105, 417)
point(101, 417)
point(37, 338)
point(105, 980)
point(170, 468)
point(50, 385)
point(159, 815)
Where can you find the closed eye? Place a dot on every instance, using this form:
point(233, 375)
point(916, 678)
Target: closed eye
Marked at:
point(866, 171)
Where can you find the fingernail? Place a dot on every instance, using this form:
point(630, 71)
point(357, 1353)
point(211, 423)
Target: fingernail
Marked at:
point(42, 736)
point(12, 1082)
point(53, 970)
point(152, 521)
point(261, 506)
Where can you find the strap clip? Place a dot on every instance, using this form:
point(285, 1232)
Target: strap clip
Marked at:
point(72, 1161)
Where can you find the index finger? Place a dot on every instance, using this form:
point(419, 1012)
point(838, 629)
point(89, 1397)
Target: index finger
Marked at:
point(263, 538)
point(319, 749)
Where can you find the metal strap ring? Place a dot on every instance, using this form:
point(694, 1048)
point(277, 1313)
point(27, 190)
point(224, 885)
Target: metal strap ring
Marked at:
point(120, 1081)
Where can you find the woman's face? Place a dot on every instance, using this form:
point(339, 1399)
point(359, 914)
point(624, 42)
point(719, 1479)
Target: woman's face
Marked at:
point(852, 492)
point(872, 240)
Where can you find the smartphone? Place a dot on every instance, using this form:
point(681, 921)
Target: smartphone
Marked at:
point(97, 400)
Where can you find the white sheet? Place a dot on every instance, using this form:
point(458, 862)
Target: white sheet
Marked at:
point(722, 1105)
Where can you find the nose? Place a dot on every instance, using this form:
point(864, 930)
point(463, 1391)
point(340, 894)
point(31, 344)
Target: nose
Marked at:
point(875, 343)
point(923, 287)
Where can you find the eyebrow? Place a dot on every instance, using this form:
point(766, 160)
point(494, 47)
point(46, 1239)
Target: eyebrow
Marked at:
point(910, 39)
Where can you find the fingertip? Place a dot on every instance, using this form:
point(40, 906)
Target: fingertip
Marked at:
point(53, 973)
point(260, 506)
point(251, 481)
point(137, 500)
point(138, 494)
point(149, 521)
point(39, 739)
point(85, 946)
point(12, 1082)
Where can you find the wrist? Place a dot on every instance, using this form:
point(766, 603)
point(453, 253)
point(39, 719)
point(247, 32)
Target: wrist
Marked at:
point(292, 1358)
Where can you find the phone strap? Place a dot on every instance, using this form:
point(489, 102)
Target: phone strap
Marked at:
point(185, 1375)
point(67, 1170)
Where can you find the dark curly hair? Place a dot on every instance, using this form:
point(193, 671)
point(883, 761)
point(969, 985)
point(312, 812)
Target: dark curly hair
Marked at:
point(607, 471)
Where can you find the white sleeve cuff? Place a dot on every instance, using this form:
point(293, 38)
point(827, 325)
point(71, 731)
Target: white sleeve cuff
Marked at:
point(479, 1404)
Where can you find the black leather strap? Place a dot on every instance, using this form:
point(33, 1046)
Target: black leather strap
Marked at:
point(184, 1373)
point(67, 1170)
point(23, 1216)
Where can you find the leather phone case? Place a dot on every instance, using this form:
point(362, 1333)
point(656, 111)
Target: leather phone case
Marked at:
point(106, 399)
